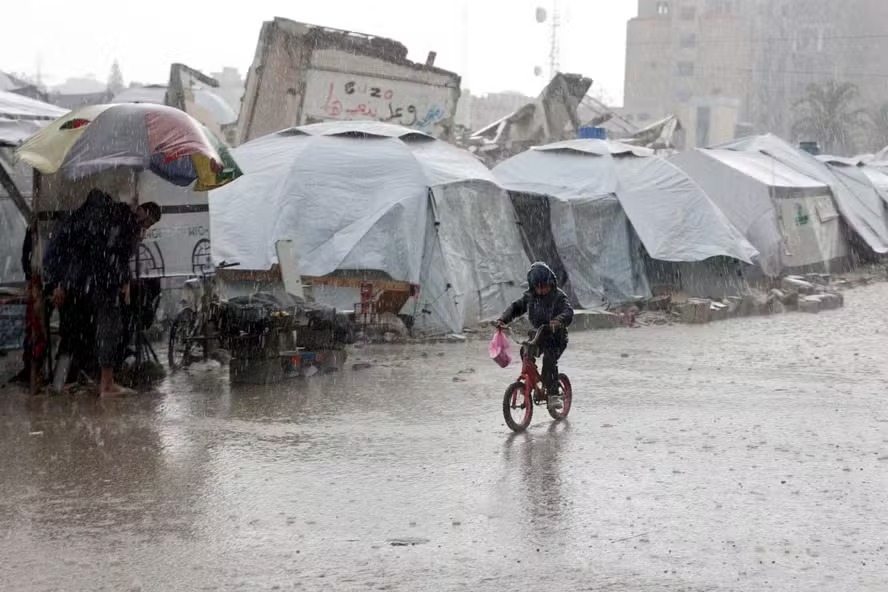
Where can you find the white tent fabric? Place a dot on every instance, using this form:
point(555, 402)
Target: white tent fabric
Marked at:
point(879, 178)
point(12, 223)
point(756, 192)
point(861, 204)
point(21, 117)
point(376, 197)
point(12, 234)
point(595, 189)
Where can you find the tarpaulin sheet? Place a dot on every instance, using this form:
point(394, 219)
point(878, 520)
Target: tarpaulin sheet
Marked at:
point(761, 197)
point(862, 206)
point(594, 196)
point(371, 196)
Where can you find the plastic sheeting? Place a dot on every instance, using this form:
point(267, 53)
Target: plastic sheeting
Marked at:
point(762, 198)
point(12, 235)
point(602, 205)
point(12, 223)
point(376, 197)
point(14, 106)
point(861, 204)
point(21, 117)
point(599, 250)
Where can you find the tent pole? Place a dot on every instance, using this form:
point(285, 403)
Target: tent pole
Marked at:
point(41, 323)
point(135, 289)
point(17, 198)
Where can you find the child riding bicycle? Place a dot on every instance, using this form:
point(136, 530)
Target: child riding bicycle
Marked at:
point(545, 305)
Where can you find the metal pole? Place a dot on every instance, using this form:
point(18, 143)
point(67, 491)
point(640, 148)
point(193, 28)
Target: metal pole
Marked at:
point(135, 301)
point(41, 324)
point(17, 198)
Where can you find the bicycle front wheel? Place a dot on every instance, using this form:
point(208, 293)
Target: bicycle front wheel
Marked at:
point(181, 344)
point(566, 392)
point(517, 407)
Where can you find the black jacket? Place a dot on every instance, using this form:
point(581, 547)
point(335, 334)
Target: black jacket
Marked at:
point(541, 310)
point(92, 247)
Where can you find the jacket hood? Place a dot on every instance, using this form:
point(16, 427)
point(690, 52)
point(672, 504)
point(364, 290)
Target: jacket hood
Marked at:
point(538, 270)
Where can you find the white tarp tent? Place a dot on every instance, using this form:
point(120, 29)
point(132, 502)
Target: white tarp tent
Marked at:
point(12, 223)
point(789, 217)
point(376, 197)
point(875, 171)
point(862, 206)
point(20, 117)
point(602, 198)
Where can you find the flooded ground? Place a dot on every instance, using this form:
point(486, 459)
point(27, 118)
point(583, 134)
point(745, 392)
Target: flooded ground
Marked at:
point(743, 455)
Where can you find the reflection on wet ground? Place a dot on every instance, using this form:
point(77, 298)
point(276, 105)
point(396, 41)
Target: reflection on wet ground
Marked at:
point(745, 455)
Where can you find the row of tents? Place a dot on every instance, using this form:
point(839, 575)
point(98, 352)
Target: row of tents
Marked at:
point(615, 221)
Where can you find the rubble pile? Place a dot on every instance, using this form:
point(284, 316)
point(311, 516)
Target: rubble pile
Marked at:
point(811, 293)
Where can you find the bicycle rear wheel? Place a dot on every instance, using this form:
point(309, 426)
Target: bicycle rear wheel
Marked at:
point(566, 391)
point(517, 407)
point(181, 344)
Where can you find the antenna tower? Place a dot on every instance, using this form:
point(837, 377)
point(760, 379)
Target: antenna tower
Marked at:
point(554, 43)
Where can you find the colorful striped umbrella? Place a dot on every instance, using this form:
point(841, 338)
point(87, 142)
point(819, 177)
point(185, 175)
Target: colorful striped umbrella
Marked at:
point(139, 136)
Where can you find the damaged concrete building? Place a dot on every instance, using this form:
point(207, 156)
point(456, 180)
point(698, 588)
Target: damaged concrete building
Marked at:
point(303, 74)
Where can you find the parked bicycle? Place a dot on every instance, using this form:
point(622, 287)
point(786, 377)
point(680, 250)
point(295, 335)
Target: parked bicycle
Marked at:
point(528, 391)
point(197, 325)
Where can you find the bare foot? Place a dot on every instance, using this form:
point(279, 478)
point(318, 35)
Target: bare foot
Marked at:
point(116, 390)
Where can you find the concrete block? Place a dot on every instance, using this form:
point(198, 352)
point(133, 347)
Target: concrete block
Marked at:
point(809, 304)
point(590, 320)
point(776, 294)
point(718, 311)
point(829, 301)
point(798, 284)
point(660, 303)
point(791, 300)
point(822, 279)
point(841, 298)
point(734, 303)
point(694, 311)
point(753, 304)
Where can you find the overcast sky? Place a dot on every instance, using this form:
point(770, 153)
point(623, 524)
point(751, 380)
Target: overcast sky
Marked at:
point(493, 44)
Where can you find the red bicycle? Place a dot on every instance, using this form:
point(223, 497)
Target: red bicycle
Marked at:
point(528, 391)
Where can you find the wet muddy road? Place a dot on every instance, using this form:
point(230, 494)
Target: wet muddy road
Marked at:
point(744, 455)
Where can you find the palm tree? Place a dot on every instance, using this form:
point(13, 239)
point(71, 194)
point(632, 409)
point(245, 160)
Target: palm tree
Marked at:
point(827, 114)
point(879, 135)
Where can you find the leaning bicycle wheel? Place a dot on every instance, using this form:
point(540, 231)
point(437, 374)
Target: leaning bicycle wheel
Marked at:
point(181, 344)
point(566, 391)
point(517, 407)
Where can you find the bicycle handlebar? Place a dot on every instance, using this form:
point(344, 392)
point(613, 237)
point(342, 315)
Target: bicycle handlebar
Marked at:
point(532, 341)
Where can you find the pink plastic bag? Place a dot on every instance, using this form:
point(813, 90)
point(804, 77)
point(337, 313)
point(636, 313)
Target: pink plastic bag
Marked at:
point(500, 350)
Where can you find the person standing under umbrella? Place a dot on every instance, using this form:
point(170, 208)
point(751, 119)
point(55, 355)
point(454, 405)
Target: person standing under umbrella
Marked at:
point(108, 233)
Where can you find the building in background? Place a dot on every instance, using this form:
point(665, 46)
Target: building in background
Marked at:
point(303, 73)
point(729, 68)
point(693, 59)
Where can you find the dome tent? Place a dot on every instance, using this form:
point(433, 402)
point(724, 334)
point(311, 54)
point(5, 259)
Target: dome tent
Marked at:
point(860, 203)
point(600, 202)
point(20, 117)
point(368, 196)
point(761, 197)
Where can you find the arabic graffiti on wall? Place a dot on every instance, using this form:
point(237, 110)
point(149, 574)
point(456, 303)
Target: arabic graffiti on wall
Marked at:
point(345, 97)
